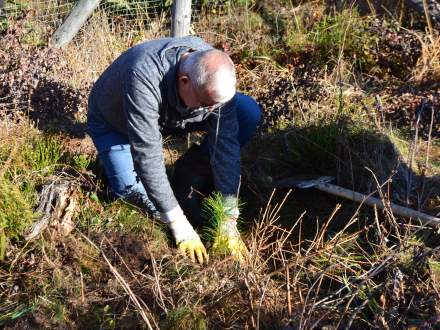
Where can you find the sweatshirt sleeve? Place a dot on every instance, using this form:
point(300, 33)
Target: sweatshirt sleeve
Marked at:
point(222, 131)
point(141, 107)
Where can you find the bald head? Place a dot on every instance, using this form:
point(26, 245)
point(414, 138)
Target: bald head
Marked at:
point(212, 73)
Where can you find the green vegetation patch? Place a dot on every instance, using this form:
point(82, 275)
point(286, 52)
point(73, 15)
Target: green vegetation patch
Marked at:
point(25, 163)
point(15, 213)
point(344, 34)
point(185, 317)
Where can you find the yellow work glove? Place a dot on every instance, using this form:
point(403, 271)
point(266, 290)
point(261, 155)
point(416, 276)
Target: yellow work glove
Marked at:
point(224, 212)
point(228, 240)
point(187, 240)
point(195, 249)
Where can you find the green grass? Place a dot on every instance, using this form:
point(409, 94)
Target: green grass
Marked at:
point(43, 153)
point(117, 215)
point(81, 162)
point(325, 38)
point(185, 317)
point(27, 163)
point(32, 154)
point(340, 145)
point(313, 146)
point(18, 190)
point(15, 214)
point(17, 312)
point(344, 32)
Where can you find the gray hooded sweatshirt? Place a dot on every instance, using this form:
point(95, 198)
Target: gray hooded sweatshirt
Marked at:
point(137, 96)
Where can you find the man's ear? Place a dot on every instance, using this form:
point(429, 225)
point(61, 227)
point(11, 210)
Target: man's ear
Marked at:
point(183, 79)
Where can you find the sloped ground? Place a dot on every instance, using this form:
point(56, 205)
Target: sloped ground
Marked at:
point(375, 273)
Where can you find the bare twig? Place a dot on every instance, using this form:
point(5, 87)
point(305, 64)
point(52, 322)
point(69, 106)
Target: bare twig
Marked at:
point(428, 18)
point(428, 150)
point(412, 154)
point(289, 302)
point(83, 299)
point(251, 304)
point(263, 291)
point(157, 283)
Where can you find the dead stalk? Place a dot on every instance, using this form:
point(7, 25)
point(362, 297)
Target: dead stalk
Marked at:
point(386, 202)
point(251, 304)
point(83, 299)
point(427, 156)
point(411, 157)
point(289, 302)
point(263, 291)
point(428, 18)
point(327, 223)
point(157, 283)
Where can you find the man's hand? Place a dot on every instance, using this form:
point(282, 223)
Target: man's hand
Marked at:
point(194, 248)
point(228, 241)
point(187, 240)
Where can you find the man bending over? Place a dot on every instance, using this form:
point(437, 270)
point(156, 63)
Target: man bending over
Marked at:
point(166, 86)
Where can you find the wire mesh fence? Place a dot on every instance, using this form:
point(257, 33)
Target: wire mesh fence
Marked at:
point(53, 12)
point(132, 12)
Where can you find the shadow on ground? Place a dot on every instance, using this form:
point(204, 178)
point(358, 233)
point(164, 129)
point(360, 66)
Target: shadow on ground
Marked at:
point(358, 158)
point(57, 108)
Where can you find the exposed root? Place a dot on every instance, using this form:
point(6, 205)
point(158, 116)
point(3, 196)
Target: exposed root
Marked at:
point(57, 205)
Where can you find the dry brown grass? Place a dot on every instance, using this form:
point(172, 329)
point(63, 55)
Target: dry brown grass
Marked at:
point(87, 62)
point(427, 69)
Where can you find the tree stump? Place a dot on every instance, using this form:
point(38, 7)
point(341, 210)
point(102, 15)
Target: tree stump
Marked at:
point(56, 207)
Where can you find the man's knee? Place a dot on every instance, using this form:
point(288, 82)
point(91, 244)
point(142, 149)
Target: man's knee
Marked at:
point(248, 110)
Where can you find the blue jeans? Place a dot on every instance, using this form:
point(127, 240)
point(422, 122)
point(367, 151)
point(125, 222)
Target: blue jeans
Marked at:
point(115, 156)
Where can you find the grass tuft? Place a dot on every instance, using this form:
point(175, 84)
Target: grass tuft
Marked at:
point(185, 317)
point(43, 153)
point(427, 68)
point(15, 214)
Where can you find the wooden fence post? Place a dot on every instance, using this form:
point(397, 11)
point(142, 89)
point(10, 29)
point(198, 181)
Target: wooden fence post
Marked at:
point(181, 18)
point(77, 17)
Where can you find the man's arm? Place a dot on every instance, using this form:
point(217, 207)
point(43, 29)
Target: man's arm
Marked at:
point(141, 106)
point(224, 147)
